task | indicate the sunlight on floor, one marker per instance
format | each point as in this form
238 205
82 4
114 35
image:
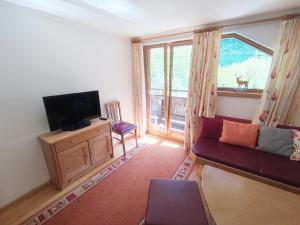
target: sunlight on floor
149 140
169 144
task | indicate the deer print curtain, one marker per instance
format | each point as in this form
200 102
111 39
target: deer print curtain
202 82
138 69
284 76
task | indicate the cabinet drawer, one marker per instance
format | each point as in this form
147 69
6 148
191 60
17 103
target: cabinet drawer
76 139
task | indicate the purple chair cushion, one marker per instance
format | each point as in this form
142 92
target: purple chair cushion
231 155
211 127
174 202
279 168
123 127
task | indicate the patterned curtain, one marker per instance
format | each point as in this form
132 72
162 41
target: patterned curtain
284 76
138 71
202 82
294 110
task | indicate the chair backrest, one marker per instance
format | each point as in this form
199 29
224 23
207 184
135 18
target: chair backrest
113 111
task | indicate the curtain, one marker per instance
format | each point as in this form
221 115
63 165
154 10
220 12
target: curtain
202 82
138 71
293 117
283 78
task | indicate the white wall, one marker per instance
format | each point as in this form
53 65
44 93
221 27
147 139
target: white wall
243 108
42 55
263 33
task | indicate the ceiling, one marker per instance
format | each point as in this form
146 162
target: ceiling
143 17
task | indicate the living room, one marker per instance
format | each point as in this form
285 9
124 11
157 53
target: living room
103 100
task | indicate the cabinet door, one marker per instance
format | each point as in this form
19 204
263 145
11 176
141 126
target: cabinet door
74 161
100 148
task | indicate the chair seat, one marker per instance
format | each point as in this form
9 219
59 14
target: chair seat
123 127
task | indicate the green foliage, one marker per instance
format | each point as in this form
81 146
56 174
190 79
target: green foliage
255 70
157 68
180 72
239 59
181 67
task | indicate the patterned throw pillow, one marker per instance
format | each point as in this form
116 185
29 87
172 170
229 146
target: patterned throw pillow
296 146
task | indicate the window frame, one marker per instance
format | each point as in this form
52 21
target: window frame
166 132
248 93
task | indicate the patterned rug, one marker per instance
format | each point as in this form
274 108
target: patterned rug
59 206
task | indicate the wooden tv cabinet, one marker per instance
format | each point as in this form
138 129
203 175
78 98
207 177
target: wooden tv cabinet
71 154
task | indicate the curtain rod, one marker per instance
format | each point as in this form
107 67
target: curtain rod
193 30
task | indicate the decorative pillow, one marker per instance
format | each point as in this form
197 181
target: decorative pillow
211 127
275 140
243 134
296 145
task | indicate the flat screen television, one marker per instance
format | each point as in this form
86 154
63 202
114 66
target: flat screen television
72 111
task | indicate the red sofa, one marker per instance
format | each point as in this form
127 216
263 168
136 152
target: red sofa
273 167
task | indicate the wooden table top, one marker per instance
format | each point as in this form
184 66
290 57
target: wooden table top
236 200
52 137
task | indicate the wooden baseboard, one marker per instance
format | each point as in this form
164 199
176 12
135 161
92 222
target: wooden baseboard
249 175
26 196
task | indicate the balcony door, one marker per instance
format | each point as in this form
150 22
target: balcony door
167 69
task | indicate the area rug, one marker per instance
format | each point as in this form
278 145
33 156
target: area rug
117 195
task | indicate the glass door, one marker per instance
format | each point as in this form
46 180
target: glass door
156 83
180 64
167 69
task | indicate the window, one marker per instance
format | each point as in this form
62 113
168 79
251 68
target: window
243 65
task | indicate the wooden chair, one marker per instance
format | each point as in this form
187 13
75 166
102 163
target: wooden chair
113 111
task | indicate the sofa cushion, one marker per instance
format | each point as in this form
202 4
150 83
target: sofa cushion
275 140
211 127
231 155
279 168
241 134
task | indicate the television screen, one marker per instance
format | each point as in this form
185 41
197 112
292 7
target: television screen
69 109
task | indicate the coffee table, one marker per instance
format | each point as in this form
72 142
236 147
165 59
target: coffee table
235 200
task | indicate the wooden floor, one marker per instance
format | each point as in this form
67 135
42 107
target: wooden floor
22 209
